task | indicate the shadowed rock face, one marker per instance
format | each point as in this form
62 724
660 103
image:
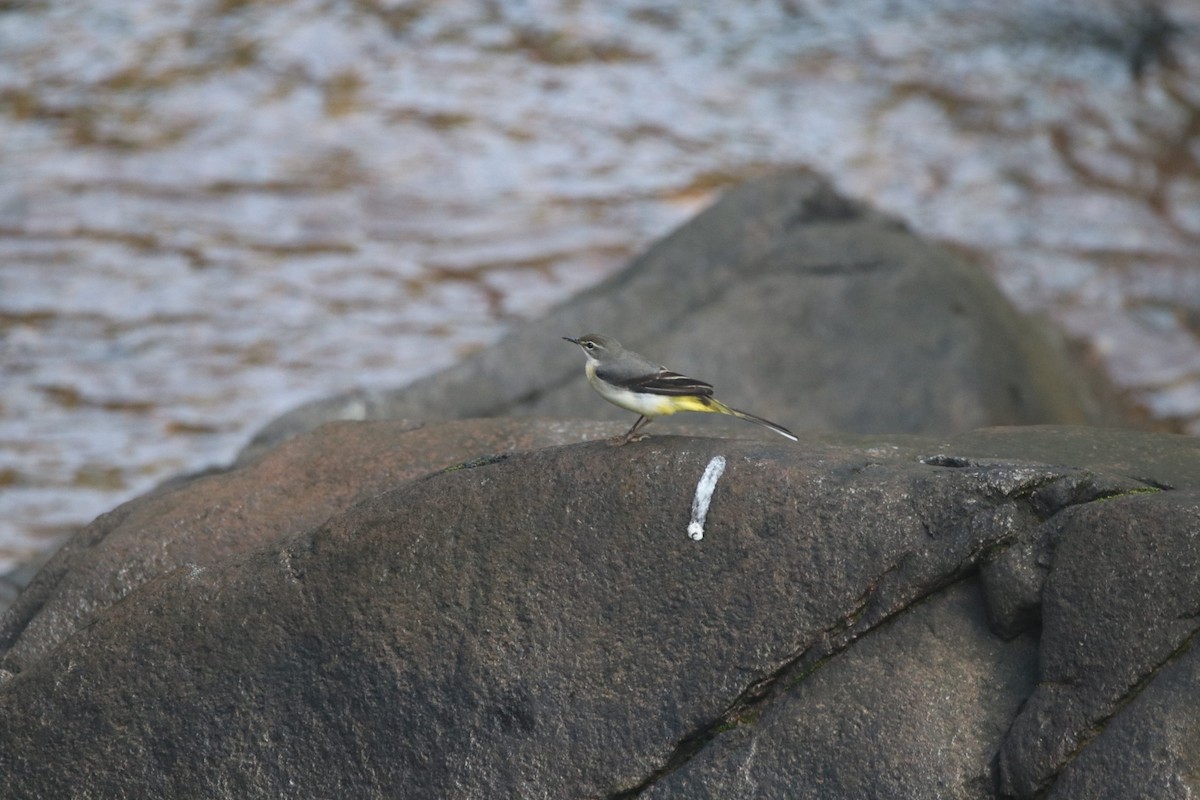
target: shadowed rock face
538 623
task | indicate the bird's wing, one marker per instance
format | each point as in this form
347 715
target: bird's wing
662 382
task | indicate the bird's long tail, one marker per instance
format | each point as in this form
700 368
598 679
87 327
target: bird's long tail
717 405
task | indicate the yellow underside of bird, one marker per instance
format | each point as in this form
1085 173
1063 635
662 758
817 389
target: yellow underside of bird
654 405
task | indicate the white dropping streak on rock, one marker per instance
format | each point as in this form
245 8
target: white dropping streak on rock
704 493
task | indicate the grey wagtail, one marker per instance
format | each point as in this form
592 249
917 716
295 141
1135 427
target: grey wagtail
637 384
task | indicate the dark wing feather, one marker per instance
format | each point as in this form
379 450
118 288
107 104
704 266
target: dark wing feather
663 382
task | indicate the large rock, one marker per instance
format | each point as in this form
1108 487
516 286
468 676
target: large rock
475 609
538 624
290 490
799 305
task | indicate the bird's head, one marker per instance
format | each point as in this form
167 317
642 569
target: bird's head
597 347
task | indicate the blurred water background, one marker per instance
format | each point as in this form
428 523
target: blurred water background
214 210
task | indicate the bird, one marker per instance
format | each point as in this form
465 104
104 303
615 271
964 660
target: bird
635 383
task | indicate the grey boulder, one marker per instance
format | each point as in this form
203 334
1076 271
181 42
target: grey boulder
539 624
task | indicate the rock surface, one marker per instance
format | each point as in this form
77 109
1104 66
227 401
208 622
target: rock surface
915 709
1121 601
798 305
538 624
290 490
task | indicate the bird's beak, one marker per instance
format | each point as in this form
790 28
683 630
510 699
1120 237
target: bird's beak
572 341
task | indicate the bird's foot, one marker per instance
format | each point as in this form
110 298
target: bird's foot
618 441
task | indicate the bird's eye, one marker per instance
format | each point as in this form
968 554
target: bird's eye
590 345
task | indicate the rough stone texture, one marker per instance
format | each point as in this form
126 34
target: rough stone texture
290 490
798 305
538 624
916 709
1150 749
1122 598
1168 462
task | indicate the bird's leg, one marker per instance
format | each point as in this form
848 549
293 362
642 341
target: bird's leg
633 435
637 427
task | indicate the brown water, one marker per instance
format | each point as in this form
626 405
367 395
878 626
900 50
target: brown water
213 211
